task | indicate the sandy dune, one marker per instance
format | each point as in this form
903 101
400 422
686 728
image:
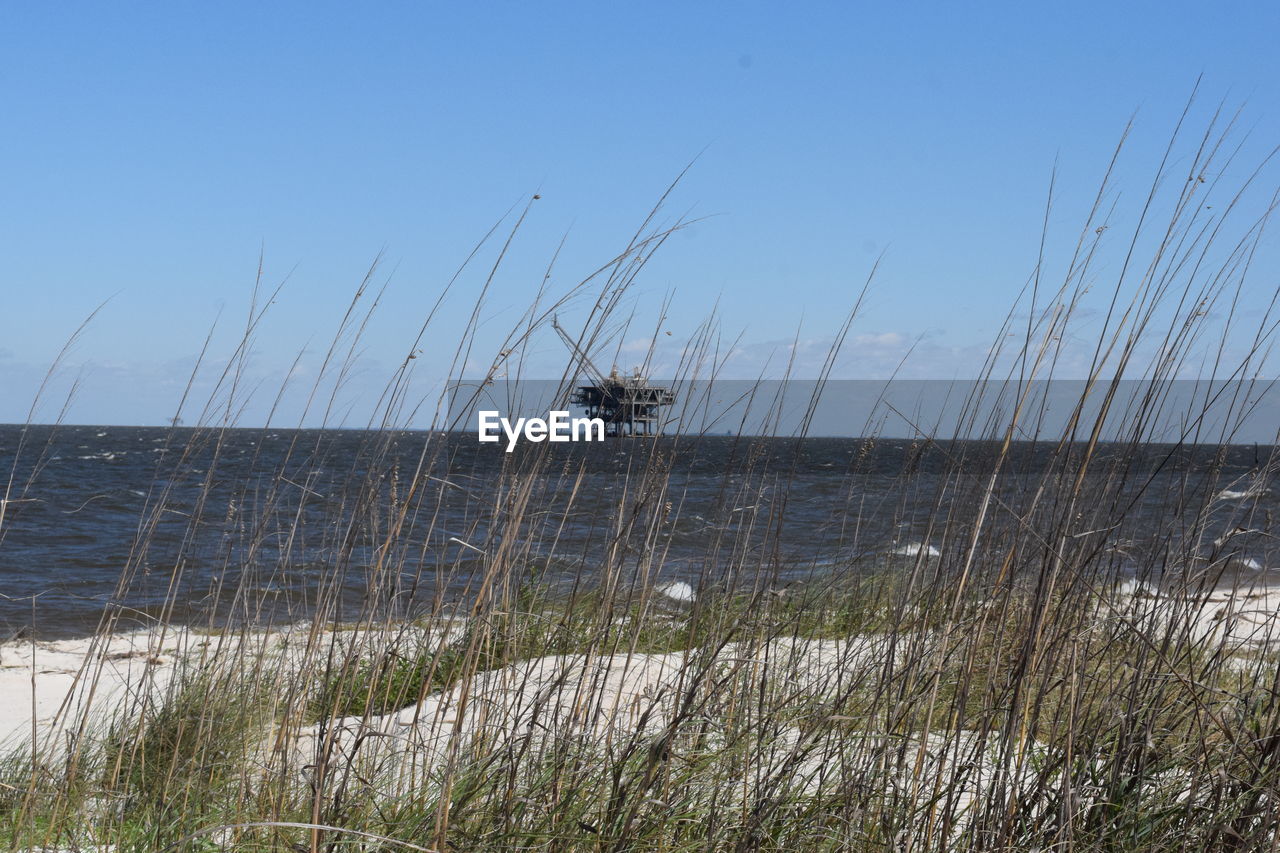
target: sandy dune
605 705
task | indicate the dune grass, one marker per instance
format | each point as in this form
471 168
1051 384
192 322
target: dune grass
1002 694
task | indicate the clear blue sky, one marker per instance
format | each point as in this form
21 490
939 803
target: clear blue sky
151 151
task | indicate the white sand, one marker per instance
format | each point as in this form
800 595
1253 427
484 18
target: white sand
1236 621
50 686
43 683
53 683
605 705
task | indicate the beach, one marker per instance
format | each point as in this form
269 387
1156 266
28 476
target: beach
76 695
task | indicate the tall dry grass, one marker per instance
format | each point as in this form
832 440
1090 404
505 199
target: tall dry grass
999 695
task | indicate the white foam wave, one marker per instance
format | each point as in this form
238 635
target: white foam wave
915 549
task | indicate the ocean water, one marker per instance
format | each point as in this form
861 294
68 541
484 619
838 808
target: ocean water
269 525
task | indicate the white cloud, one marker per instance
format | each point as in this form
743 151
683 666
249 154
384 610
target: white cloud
883 339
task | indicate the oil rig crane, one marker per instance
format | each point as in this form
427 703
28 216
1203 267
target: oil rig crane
628 405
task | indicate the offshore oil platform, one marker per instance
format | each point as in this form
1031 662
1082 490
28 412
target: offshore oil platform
628 405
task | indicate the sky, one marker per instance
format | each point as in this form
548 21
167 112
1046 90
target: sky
158 153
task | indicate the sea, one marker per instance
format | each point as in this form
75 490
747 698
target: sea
218 526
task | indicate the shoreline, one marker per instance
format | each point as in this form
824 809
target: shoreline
53 681
761 716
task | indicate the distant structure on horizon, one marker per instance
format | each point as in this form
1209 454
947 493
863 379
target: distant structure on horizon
628 405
